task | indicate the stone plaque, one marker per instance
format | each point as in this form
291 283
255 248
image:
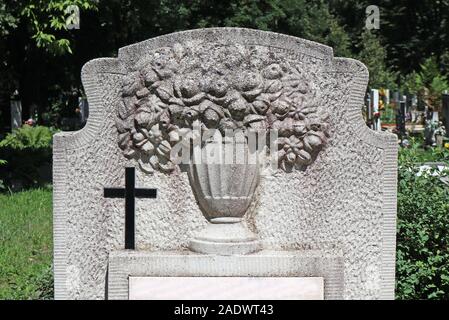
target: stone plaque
226 288
264 275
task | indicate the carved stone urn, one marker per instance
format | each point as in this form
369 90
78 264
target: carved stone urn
218 86
224 193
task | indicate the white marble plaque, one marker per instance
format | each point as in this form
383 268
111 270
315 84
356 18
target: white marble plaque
226 288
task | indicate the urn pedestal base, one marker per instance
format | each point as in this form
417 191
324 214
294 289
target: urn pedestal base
225 236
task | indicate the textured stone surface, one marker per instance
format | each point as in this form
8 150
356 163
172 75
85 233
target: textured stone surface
345 200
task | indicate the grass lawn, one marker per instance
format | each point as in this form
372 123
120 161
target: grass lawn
26 246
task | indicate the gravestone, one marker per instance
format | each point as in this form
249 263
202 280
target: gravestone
314 216
400 120
446 111
396 98
84 110
16 113
375 107
387 97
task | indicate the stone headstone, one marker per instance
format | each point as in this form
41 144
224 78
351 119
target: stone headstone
16 114
400 119
435 116
446 111
387 97
317 205
396 98
84 109
414 102
375 107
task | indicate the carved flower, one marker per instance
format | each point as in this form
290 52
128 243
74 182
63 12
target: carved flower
131 84
217 88
274 87
164 90
144 118
238 109
147 109
301 109
126 144
226 124
316 136
313 141
165 121
164 63
273 71
299 128
281 108
155 147
249 84
142 93
211 114
261 106
292 153
188 90
149 76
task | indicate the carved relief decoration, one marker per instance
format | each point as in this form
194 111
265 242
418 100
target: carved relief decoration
219 86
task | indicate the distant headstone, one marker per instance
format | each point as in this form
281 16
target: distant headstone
400 120
440 134
446 111
435 117
396 98
375 108
306 208
84 109
414 102
16 113
429 133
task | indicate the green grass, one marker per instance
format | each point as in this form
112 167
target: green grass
26 245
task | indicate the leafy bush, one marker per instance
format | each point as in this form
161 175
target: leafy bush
422 266
416 154
28 152
2 185
28 137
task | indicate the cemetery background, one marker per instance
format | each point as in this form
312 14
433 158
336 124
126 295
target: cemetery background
41 75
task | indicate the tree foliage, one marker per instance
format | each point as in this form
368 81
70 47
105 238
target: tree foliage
36 44
428 82
422 267
374 55
43 19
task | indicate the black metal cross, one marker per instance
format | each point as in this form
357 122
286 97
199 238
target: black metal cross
130 192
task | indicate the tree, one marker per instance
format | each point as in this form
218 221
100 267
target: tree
413 30
33 40
44 20
429 83
7 20
374 55
312 20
